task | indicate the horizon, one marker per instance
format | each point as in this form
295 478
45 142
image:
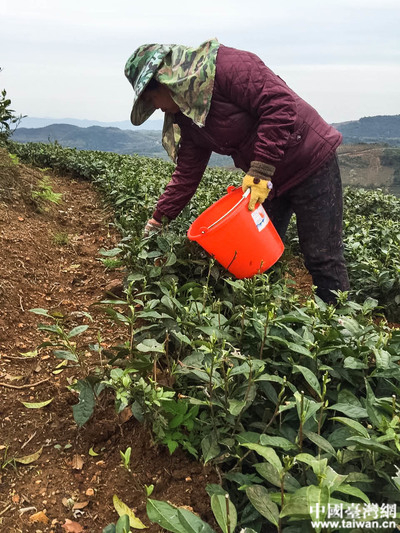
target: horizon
156 123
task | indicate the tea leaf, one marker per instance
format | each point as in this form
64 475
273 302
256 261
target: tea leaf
319 466
299 349
354 364
321 442
33 353
149 490
28 459
39 311
216 332
374 414
371 444
110 253
92 452
268 453
310 377
296 504
269 472
150 345
175 519
350 410
37 405
353 491
383 359
83 410
52 328
77 331
66 355
224 512
209 447
261 500
236 406
122 509
277 442
317 499
123 525
332 479
353 424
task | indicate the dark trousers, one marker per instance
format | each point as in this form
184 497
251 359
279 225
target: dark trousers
318 205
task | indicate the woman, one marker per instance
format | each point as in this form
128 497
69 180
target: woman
225 100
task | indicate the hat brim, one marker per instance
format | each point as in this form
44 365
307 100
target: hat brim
141 111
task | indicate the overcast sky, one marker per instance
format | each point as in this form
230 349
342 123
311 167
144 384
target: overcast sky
65 58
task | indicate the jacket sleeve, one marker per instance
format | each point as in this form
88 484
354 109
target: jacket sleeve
251 85
191 164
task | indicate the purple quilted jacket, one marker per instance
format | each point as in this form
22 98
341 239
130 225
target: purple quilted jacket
254 115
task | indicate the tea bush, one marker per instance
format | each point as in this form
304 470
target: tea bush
295 401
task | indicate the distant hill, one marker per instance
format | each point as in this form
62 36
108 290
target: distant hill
378 129
106 139
42 122
381 130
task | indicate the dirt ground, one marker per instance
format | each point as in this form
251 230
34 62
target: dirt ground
50 259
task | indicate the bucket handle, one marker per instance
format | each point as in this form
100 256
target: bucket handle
244 195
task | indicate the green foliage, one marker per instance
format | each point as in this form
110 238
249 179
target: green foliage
295 400
126 458
44 193
177 520
372 247
122 526
7 117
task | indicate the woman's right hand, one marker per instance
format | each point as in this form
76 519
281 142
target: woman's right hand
152 226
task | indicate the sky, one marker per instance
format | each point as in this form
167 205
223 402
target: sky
65 58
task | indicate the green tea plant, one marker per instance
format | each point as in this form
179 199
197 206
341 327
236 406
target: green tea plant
372 242
62 338
122 526
294 401
126 458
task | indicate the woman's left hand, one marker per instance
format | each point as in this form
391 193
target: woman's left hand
152 226
259 189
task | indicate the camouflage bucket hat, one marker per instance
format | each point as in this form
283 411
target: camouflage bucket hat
139 69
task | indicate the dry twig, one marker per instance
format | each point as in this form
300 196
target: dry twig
27 386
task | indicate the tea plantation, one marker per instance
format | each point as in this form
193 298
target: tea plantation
294 401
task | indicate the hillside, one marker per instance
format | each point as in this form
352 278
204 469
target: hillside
378 129
370 166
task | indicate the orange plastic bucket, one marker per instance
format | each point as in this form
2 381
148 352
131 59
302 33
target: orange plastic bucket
244 242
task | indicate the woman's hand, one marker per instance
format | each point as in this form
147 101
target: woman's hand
152 226
259 189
